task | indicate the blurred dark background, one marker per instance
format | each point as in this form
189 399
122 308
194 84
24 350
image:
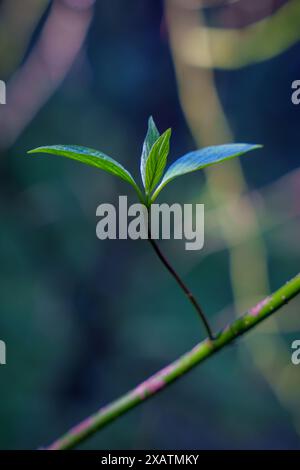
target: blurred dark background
85 320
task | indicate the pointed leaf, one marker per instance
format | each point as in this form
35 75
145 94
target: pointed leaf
90 157
201 158
150 139
157 160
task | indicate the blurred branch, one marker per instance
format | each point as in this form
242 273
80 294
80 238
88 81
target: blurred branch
177 369
229 48
275 204
227 185
16 30
58 46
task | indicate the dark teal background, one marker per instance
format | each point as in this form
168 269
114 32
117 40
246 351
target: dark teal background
85 320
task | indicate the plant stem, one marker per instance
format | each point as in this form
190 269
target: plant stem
185 289
188 361
177 278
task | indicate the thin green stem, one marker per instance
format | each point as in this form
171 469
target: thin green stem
141 196
177 369
182 285
178 279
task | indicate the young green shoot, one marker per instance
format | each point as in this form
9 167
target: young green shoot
153 162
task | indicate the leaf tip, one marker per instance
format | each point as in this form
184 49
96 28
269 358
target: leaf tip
254 147
152 126
32 151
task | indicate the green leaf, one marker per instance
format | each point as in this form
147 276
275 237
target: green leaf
90 157
150 139
201 158
157 160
